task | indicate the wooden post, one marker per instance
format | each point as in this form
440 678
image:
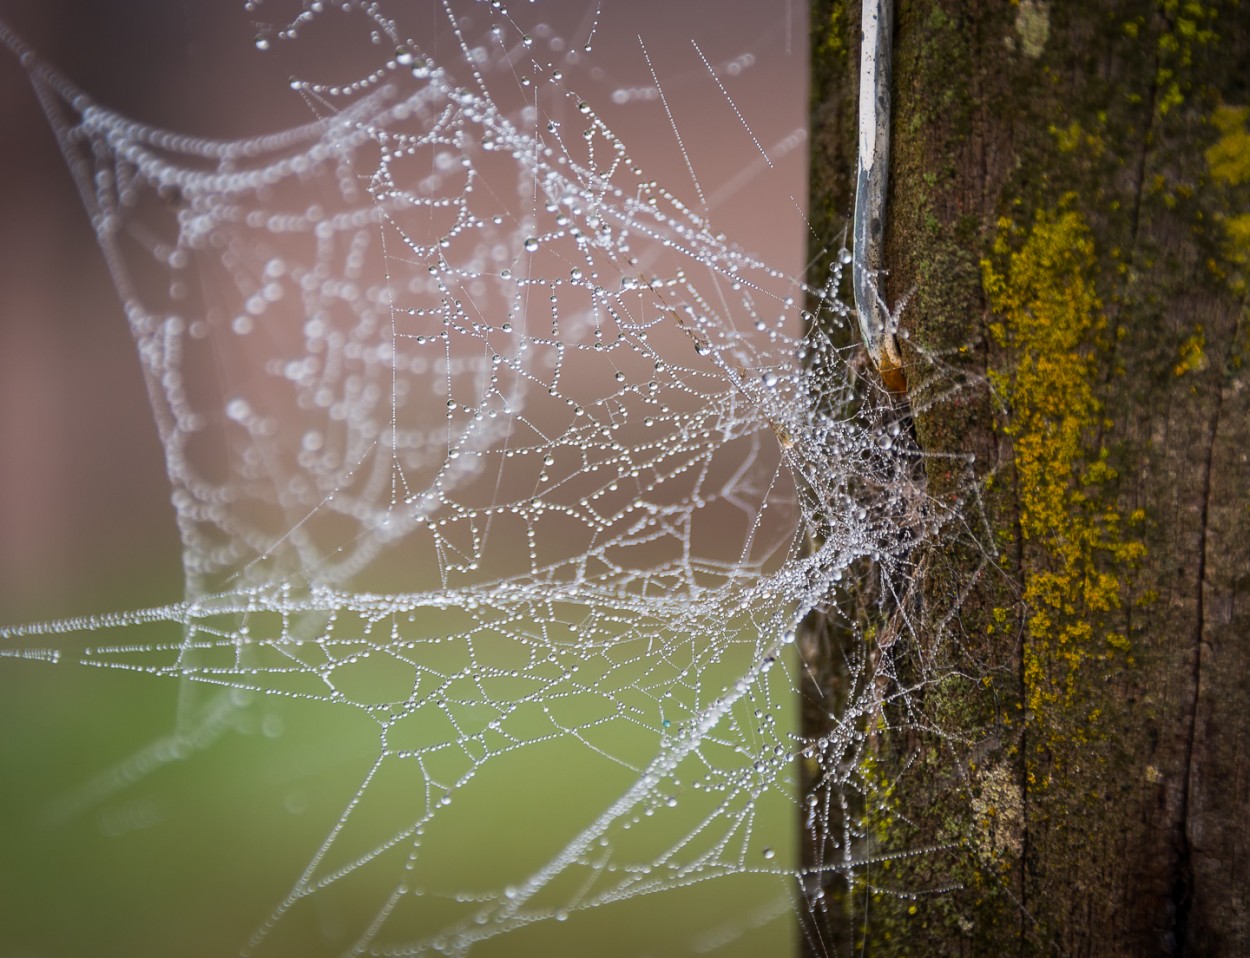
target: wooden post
1070 201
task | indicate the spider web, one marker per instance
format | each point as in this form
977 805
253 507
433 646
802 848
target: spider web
476 430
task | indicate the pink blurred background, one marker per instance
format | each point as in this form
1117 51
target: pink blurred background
85 522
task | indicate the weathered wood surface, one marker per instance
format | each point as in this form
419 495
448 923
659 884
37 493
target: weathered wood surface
1070 202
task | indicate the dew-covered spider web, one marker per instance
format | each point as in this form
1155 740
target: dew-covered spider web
478 432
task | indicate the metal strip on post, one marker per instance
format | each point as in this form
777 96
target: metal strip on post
876 325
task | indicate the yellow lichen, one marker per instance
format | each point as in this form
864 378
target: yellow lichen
1050 320
1228 159
1073 137
1228 164
832 44
1192 356
1187 29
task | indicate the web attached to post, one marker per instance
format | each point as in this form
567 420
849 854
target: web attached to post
475 429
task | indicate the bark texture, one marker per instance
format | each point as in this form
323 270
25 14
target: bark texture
1070 207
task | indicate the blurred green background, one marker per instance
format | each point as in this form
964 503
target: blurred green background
120 839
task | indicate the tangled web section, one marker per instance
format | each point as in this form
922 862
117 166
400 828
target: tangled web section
475 429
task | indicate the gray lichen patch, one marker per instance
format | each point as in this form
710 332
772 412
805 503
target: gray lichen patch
1033 27
999 808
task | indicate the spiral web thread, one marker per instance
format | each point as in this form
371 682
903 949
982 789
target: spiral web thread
476 430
